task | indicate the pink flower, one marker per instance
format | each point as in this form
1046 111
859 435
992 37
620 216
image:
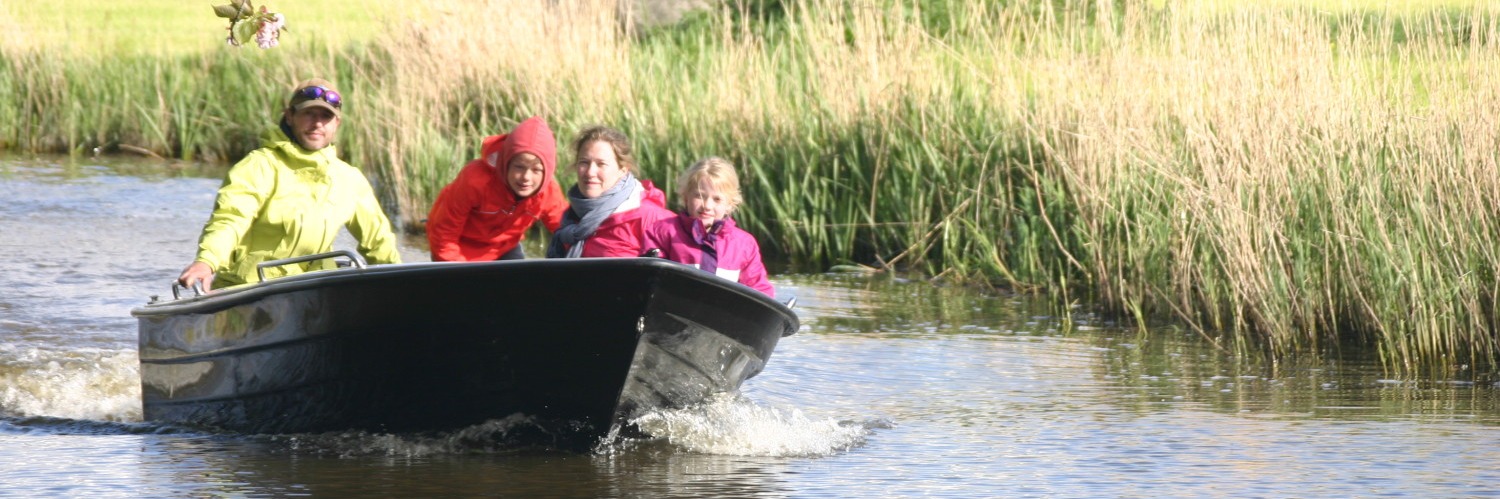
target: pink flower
270 30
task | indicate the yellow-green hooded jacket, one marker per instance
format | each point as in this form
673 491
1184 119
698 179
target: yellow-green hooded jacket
283 201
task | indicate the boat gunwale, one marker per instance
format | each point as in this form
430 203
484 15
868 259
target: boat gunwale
223 299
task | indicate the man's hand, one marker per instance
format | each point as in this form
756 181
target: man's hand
197 272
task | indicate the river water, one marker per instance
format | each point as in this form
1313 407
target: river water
891 389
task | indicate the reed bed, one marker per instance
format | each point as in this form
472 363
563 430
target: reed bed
1278 178
1271 175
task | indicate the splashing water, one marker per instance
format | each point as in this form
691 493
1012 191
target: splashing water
731 425
511 433
103 385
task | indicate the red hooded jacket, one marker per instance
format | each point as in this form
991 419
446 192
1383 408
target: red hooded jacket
478 217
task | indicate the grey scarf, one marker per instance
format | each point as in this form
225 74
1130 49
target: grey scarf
585 215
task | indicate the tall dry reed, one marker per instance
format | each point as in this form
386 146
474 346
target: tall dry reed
1264 173
1284 178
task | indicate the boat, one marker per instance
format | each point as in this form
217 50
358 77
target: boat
586 344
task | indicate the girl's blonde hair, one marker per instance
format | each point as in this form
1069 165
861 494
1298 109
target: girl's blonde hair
719 172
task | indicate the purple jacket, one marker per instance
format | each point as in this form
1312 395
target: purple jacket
734 254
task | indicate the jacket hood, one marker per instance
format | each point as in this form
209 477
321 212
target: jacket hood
532 136
693 225
277 140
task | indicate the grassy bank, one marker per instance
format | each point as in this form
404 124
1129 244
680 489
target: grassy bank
91 29
1283 177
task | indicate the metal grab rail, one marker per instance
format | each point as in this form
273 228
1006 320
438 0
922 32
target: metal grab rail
177 288
354 258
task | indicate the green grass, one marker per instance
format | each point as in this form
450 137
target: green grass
112 28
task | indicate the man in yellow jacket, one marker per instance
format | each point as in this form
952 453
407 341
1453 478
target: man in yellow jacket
289 198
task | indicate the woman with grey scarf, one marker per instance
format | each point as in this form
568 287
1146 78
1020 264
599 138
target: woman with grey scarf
610 209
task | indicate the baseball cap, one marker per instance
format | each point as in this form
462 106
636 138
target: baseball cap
316 92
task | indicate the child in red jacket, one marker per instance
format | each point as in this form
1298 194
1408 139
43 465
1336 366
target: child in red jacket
703 235
483 215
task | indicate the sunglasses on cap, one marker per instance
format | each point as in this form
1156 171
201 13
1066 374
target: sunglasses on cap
326 95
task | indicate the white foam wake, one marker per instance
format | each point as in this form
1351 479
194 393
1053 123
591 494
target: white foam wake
93 384
731 425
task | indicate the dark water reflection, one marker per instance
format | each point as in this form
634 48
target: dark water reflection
892 389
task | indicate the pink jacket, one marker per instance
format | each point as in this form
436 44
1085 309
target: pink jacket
681 239
623 233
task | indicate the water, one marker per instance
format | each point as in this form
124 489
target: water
892 389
